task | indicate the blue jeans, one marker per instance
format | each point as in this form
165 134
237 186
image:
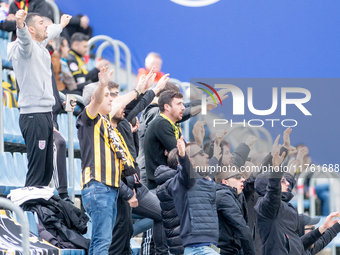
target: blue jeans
100 202
202 250
322 191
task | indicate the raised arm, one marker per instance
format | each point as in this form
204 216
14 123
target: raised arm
121 101
149 95
184 175
312 237
24 40
270 204
98 95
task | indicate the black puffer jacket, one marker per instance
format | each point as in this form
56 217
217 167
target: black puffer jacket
277 219
232 215
164 177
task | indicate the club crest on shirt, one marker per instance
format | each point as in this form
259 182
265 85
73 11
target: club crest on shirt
74 67
42 144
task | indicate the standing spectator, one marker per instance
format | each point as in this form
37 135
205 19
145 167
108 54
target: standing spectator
104 159
77 66
195 204
162 134
59 146
32 66
232 213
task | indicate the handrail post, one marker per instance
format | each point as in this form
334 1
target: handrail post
23 220
115 47
56 12
2 144
71 153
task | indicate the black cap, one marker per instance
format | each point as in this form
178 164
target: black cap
310 221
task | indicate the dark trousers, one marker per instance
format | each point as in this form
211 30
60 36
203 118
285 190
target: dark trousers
59 172
37 130
149 207
123 229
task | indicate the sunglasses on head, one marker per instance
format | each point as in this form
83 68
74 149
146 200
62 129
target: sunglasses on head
236 176
311 228
201 152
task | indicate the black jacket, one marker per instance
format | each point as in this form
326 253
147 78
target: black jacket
323 241
196 206
79 72
232 215
164 179
61 219
132 110
37 6
159 137
277 219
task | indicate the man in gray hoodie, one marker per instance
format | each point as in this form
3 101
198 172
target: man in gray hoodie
32 66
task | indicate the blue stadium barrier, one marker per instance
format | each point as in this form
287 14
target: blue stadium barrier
20 166
8 136
3 51
31 221
24 156
5 182
77 176
63 126
76 145
4 75
12 126
15 115
63 129
12 174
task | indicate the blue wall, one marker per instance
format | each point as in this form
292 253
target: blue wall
240 39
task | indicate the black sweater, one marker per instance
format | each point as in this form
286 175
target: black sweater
159 137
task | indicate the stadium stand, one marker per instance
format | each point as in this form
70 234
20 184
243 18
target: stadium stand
13 161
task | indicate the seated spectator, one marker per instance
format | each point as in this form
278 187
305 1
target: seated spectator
79 23
64 77
153 59
231 205
77 66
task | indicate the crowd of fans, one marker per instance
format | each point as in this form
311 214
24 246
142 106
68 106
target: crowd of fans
202 198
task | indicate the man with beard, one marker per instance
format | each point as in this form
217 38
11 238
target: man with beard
32 67
163 133
104 158
132 192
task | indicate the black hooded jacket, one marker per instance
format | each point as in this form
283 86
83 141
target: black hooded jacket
232 214
277 219
164 178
